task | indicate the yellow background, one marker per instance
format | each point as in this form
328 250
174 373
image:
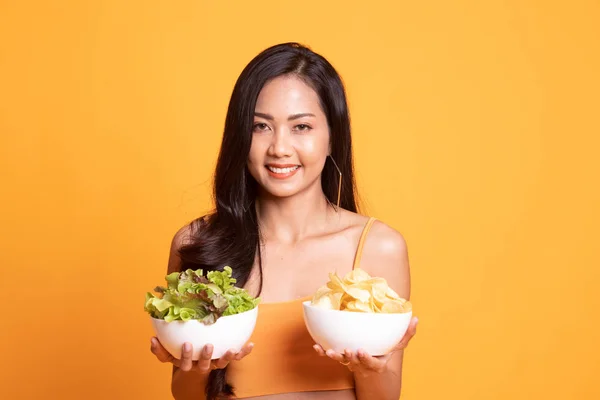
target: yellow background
476 135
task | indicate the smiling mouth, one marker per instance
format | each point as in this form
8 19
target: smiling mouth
284 170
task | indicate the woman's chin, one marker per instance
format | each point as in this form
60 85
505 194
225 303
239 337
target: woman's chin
279 188
278 194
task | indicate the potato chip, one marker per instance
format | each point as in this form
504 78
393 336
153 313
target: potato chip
327 298
357 305
359 292
322 292
378 287
392 307
356 275
390 293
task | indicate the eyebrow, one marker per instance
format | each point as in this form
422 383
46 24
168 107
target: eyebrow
290 118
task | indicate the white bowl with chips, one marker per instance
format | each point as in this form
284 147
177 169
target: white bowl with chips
229 332
375 333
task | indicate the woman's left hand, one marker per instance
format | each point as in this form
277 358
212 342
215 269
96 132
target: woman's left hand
360 361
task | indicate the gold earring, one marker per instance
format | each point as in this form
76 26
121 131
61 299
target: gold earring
339 184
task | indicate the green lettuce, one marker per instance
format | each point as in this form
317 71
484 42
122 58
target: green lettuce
191 295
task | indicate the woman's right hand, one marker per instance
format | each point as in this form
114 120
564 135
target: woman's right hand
204 364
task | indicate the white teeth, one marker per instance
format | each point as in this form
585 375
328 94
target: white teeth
282 170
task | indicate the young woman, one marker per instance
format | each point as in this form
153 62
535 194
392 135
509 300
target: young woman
286 216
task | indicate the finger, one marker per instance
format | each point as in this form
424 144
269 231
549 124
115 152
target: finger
352 357
410 332
349 355
247 349
159 351
370 362
205 358
225 359
186 357
319 350
335 356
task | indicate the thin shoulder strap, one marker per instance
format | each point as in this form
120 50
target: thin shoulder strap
361 242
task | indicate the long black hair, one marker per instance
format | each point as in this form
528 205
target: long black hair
230 234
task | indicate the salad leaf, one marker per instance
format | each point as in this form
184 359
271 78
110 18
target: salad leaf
192 295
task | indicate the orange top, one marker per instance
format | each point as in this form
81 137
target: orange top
283 360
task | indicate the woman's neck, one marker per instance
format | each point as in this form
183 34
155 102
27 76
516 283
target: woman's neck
293 218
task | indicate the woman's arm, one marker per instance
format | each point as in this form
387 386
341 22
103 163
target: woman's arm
371 385
188 384
385 255
190 378
184 384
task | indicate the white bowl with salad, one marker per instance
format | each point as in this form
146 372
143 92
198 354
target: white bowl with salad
202 309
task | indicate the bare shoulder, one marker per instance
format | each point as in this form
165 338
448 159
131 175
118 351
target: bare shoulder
385 255
382 238
387 241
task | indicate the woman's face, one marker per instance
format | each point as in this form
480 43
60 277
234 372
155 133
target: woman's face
290 138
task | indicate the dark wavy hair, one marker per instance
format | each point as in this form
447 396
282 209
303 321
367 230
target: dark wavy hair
230 234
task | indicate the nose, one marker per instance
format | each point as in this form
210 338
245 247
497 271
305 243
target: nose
281 145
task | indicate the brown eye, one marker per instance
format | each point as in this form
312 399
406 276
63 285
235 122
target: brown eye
260 127
303 128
